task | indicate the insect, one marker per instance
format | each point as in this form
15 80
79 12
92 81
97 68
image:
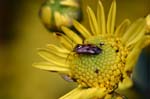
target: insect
67 78
87 49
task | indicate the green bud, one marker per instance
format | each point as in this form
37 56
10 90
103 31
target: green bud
57 13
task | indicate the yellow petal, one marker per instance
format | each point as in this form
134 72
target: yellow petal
57 49
70 3
51 67
133 55
126 83
133 31
57 18
148 23
85 93
147 40
71 93
83 31
111 18
46 15
93 22
53 57
60 52
72 35
101 18
65 41
139 34
57 53
122 28
65 20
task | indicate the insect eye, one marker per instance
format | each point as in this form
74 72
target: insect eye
79 46
101 43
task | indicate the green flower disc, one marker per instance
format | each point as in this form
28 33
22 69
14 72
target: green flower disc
102 70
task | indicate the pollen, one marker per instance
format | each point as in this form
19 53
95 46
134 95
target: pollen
102 70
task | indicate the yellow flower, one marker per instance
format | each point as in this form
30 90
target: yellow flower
100 59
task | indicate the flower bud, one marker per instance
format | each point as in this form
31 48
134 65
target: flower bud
57 13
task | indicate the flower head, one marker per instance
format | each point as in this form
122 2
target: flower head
57 13
100 59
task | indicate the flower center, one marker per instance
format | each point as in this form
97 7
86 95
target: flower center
100 70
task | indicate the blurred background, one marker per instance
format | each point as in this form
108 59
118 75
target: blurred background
21 33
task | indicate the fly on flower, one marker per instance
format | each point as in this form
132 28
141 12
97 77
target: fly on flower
116 52
87 49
